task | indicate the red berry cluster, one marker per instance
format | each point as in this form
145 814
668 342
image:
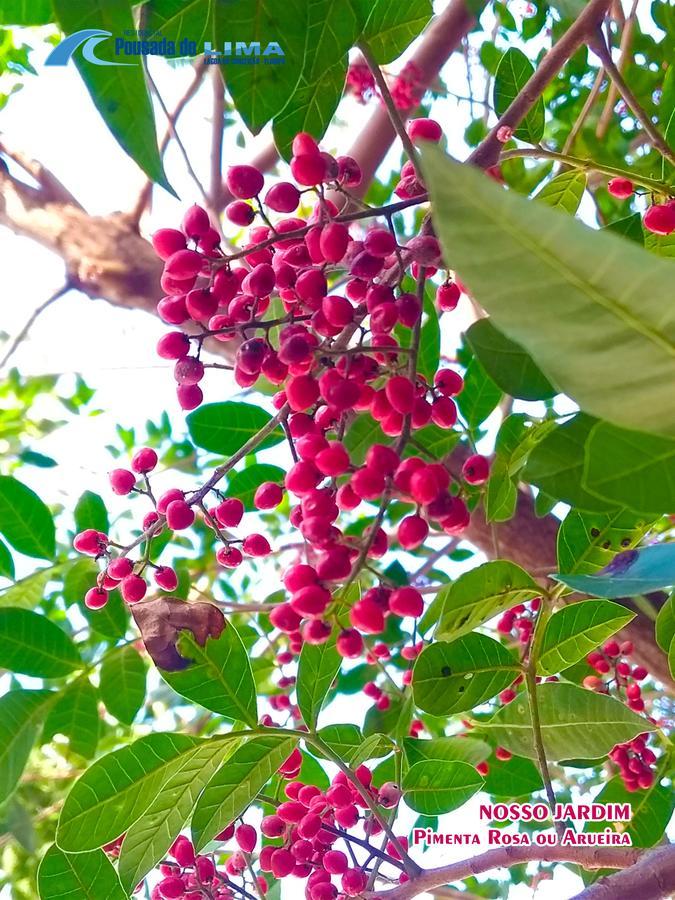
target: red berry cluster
299 839
521 619
622 679
360 82
333 355
659 218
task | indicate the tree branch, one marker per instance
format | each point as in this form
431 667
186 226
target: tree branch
655 137
624 53
26 328
651 878
487 152
504 857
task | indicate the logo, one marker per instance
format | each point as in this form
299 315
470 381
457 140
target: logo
88 39
142 42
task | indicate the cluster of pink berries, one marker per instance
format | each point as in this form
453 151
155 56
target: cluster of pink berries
659 218
299 839
177 512
521 619
635 759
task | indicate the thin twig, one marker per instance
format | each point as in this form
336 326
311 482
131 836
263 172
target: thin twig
655 137
624 53
146 191
387 99
217 127
21 336
585 111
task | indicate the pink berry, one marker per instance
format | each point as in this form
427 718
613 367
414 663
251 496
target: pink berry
304 143
349 643
95 598
144 460
425 130
308 169
183 264
166 578
196 222
174 345
122 481
406 601
239 212
189 396
268 496
246 837
334 241
354 882
230 557
400 392
660 219
256 545
171 888
133 588
168 241
380 242
244 182
476 470
179 515
621 188
412 532
229 513
119 568
447 296
90 542
283 197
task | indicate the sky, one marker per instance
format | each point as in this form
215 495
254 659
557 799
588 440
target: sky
54 120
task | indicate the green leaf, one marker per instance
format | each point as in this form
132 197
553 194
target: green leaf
629 227
26 12
513 73
122 683
575 723
453 749
32 645
6 562
331 30
480 594
119 92
661 244
220 678
556 465
651 810
630 468
436 442
480 395
147 841
78 876
318 666
515 777
344 739
451 677
575 630
391 27
237 784
569 295
21 716
665 624
75 715
91 512
564 191
631 572
588 541
509 366
25 521
259 91
361 434
27 593
224 428
112 621
117 789
244 484
434 787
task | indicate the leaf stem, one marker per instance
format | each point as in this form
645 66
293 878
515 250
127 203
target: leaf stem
588 165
